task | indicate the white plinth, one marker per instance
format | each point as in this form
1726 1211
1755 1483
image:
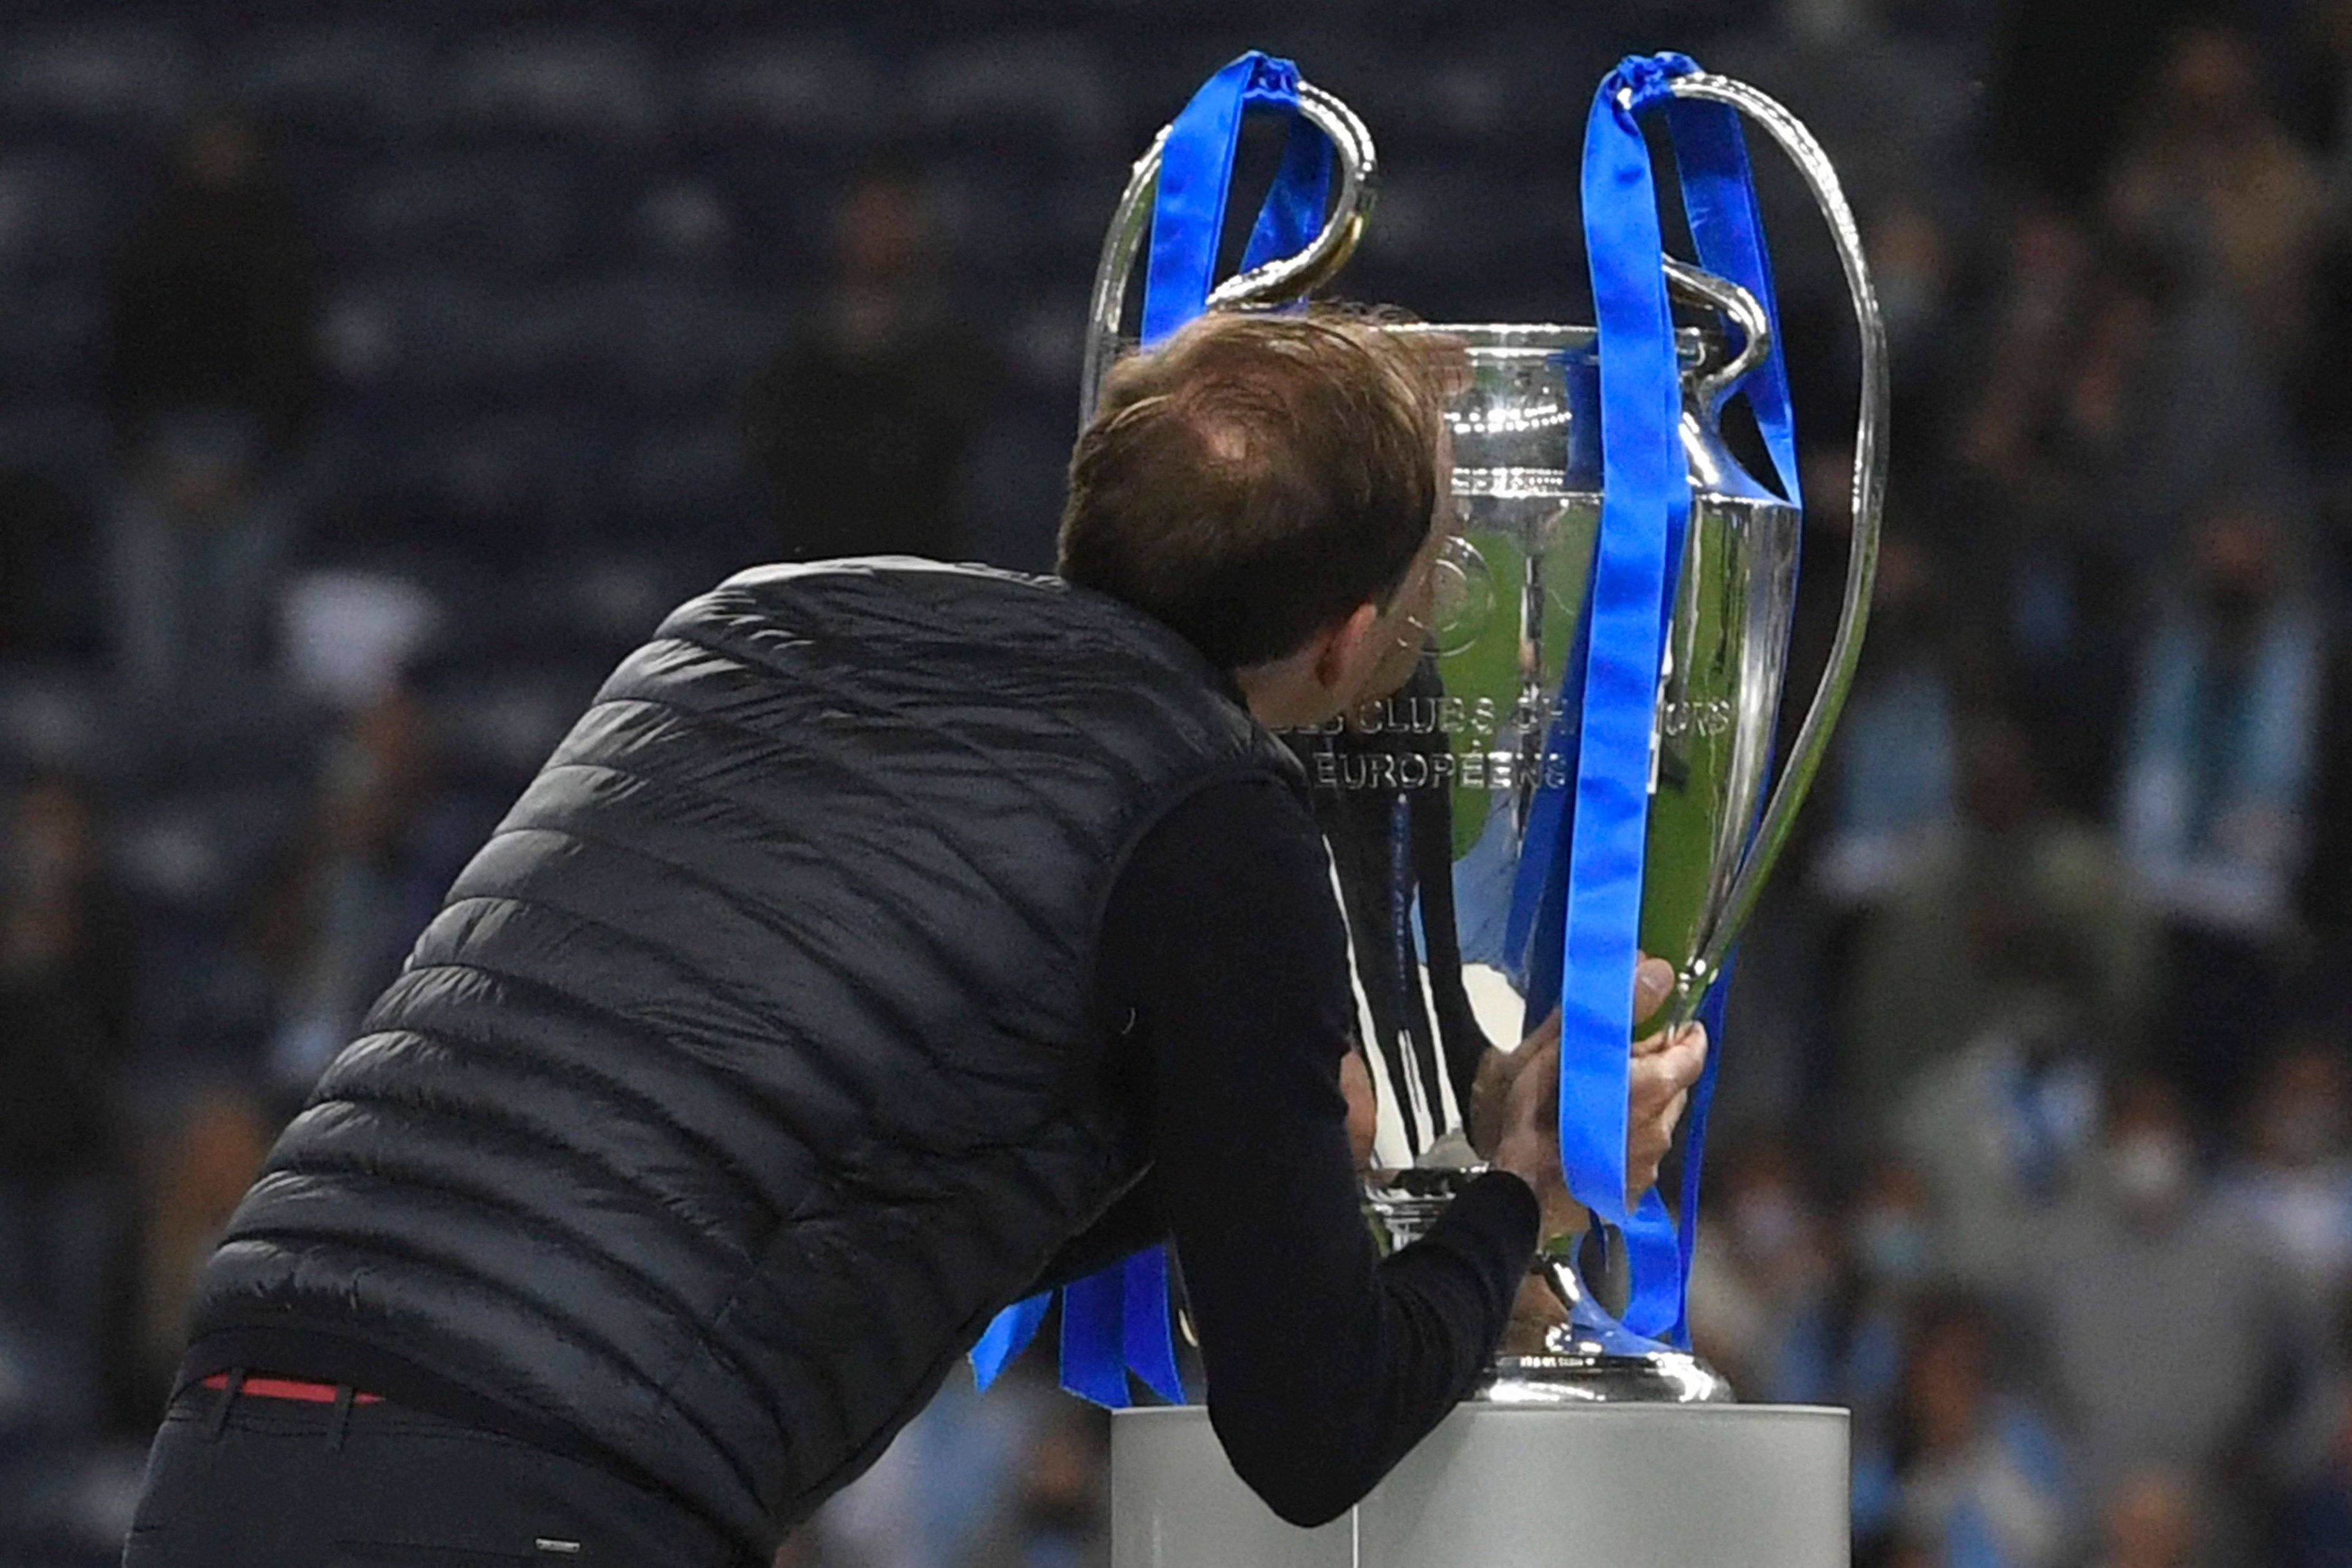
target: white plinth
1611 1486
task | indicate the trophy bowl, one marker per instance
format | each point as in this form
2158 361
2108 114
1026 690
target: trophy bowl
1479 732
1514 580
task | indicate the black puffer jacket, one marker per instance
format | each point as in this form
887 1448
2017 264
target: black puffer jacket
751 1066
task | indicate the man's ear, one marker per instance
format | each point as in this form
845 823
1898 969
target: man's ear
1344 647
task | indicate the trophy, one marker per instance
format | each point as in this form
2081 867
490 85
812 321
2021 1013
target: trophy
1459 810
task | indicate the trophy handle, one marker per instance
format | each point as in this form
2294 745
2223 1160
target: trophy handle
1746 311
1275 282
1804 758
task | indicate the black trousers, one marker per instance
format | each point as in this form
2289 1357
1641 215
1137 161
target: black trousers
256 1482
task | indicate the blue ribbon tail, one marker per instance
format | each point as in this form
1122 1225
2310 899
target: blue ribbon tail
1094 1360
1702 1101
1149 1344
1113 1320
1006 1336
1188 215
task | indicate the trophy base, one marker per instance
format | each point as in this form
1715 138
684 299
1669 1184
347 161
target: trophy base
1586 1358
1597 1377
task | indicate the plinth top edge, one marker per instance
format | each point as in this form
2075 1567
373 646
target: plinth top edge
1481 1412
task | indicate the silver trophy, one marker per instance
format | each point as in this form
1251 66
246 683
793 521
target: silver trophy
1425 796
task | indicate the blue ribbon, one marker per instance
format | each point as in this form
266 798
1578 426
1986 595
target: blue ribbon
1719 194
1728 228
1116 1322
1196 173
1577 908
1006 1336
1702 1101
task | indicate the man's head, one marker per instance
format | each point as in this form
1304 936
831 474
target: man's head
1267 486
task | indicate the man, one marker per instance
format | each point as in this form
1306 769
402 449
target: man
887 941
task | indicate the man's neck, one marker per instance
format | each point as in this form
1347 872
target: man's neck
1284 693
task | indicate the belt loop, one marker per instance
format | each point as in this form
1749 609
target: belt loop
229 1391
342 1420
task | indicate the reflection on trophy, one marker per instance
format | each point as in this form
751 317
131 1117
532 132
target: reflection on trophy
1429 796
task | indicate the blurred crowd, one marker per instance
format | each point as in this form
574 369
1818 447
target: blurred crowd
371 378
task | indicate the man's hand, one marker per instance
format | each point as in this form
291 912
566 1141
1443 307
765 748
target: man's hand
1527 1142
1364 1108
1515 1101
1665 1069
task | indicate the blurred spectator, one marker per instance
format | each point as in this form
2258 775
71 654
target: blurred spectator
1017 1478
2052 583
65 924
198 537
862 424
339 925
1763 1268
2019 897
64 981
2217 792
213 297
2151 1521
1982 1479
2314 1527
1999 1130
49 570
2294 1183
194 1186
2117 397
2048 270
2171 1336
1930 356
209 376
2066 74
1060 1518
1895 785
1847 1347
2212 179
1844 1349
